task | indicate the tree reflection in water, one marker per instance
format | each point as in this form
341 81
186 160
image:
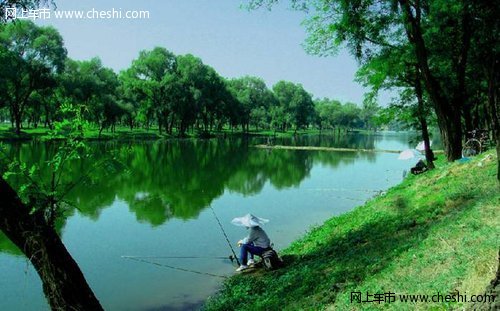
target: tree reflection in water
179 178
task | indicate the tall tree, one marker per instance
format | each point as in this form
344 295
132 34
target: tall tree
326 111
398 70
294 101
33 55
148 78
206 87
485 55
251 93
94 88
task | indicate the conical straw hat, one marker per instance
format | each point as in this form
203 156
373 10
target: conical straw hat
249 220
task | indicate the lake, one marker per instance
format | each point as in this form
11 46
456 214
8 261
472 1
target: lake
158 205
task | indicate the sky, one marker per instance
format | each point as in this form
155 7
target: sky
234 41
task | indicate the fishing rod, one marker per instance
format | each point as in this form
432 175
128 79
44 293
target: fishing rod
225 235
173 267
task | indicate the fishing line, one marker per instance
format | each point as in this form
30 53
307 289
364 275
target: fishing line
173 267
343 189
225 235
182 257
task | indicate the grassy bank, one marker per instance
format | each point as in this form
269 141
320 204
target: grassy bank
436 232
7 133
125 133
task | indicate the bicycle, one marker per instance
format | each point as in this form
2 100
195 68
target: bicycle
478 142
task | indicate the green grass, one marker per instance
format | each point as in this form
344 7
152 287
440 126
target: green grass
435 232
7 133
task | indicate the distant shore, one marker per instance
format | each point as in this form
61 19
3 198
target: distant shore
125 133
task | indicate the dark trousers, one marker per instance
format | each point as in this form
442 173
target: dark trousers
249 248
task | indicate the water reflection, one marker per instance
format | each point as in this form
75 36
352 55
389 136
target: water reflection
179 178
330 139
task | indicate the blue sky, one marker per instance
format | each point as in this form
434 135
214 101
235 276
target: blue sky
234 41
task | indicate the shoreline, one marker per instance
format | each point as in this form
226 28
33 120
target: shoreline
313 148
123 134
417 238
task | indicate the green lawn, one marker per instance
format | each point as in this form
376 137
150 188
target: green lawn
7 133
435 232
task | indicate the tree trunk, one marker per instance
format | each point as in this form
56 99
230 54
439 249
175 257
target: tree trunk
47 117
17 122
448 113
429 155
131 123
101 128
467 114
493 106
159 124
63 283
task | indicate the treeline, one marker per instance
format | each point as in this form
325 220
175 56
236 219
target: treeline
172 93
441 57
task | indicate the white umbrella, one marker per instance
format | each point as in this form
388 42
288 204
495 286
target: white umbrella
409 154
421 146
249 220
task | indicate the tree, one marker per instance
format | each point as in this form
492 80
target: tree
302 108
207 90
349 116
94 88
397 69
28 219
63 283
148 79
438 33
34 54
369 112
327 111
183 106
259 118
251 93
294 101
285 93
485 57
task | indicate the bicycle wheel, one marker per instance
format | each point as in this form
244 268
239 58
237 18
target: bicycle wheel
471 148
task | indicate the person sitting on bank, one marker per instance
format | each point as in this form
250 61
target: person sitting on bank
419 168
257 241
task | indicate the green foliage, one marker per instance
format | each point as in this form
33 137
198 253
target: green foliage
206 94
31 57
44 187
94 88
446 50
250 95
173 93
296 103
148 81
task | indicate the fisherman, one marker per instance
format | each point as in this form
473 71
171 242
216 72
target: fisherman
257 241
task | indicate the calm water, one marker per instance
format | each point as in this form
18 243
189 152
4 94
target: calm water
158 207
